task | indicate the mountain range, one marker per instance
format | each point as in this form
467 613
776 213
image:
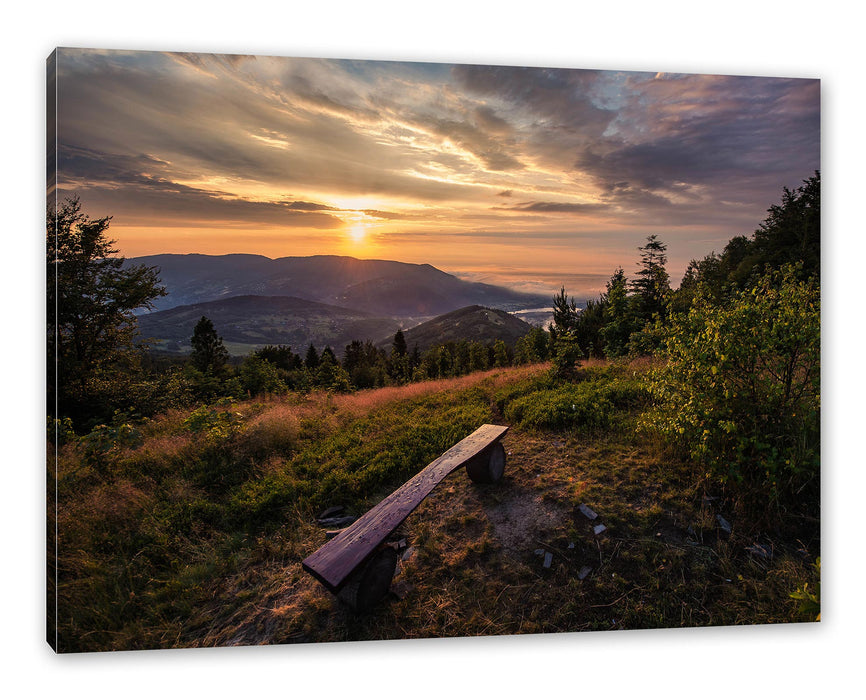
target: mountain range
324 300
379 287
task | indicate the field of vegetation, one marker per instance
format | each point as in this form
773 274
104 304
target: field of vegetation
189 529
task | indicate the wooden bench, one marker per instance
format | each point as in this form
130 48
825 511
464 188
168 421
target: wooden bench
354 565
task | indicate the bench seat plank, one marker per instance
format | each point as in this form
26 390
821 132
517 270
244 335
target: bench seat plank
334 561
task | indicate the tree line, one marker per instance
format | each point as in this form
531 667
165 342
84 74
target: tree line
99 370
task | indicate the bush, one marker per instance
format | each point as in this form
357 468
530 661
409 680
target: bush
740 390
588 404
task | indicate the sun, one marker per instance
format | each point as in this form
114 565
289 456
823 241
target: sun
357 233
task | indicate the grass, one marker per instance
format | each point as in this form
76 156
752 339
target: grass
189 530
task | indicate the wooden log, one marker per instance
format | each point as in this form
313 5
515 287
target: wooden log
371 582
334 561
489 466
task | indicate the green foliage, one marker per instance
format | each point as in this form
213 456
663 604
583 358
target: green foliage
564 312
533 347
91 296
588 327
102 445
258 376
740 390
809 598
330 376
791 233
218 422
500 354
594 403
617 317
60 431
209 355
566 355
651 285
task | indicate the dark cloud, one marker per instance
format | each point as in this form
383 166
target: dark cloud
387 215
555 207
308 206
130 185
732 134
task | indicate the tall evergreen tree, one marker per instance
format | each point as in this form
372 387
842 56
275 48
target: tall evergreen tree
564 312
312 359
399 347
651 285
618 318
209 355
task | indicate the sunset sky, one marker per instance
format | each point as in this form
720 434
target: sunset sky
526 176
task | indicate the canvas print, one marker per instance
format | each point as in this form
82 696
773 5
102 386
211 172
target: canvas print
344 350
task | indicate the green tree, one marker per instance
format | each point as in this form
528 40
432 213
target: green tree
259 376
741 388
618 318
91 296
400 370
651 285
399 347
330 375
500 353
209 355
792 230
566 349
564 312
312 359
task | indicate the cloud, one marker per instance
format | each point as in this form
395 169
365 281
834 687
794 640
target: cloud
126 185
556 207
730 134
291 142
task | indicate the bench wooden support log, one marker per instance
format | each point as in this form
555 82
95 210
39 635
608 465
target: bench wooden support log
354 565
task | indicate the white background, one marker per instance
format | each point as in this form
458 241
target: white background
793 38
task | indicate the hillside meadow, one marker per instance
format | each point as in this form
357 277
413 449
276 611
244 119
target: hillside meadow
188 529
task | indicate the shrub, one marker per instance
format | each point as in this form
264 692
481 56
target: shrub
589 404
740 390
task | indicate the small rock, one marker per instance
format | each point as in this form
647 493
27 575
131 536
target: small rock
331 512
587 511
409 553
336 522
598 529
584 572
762 550
724 524
401 589
548 560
